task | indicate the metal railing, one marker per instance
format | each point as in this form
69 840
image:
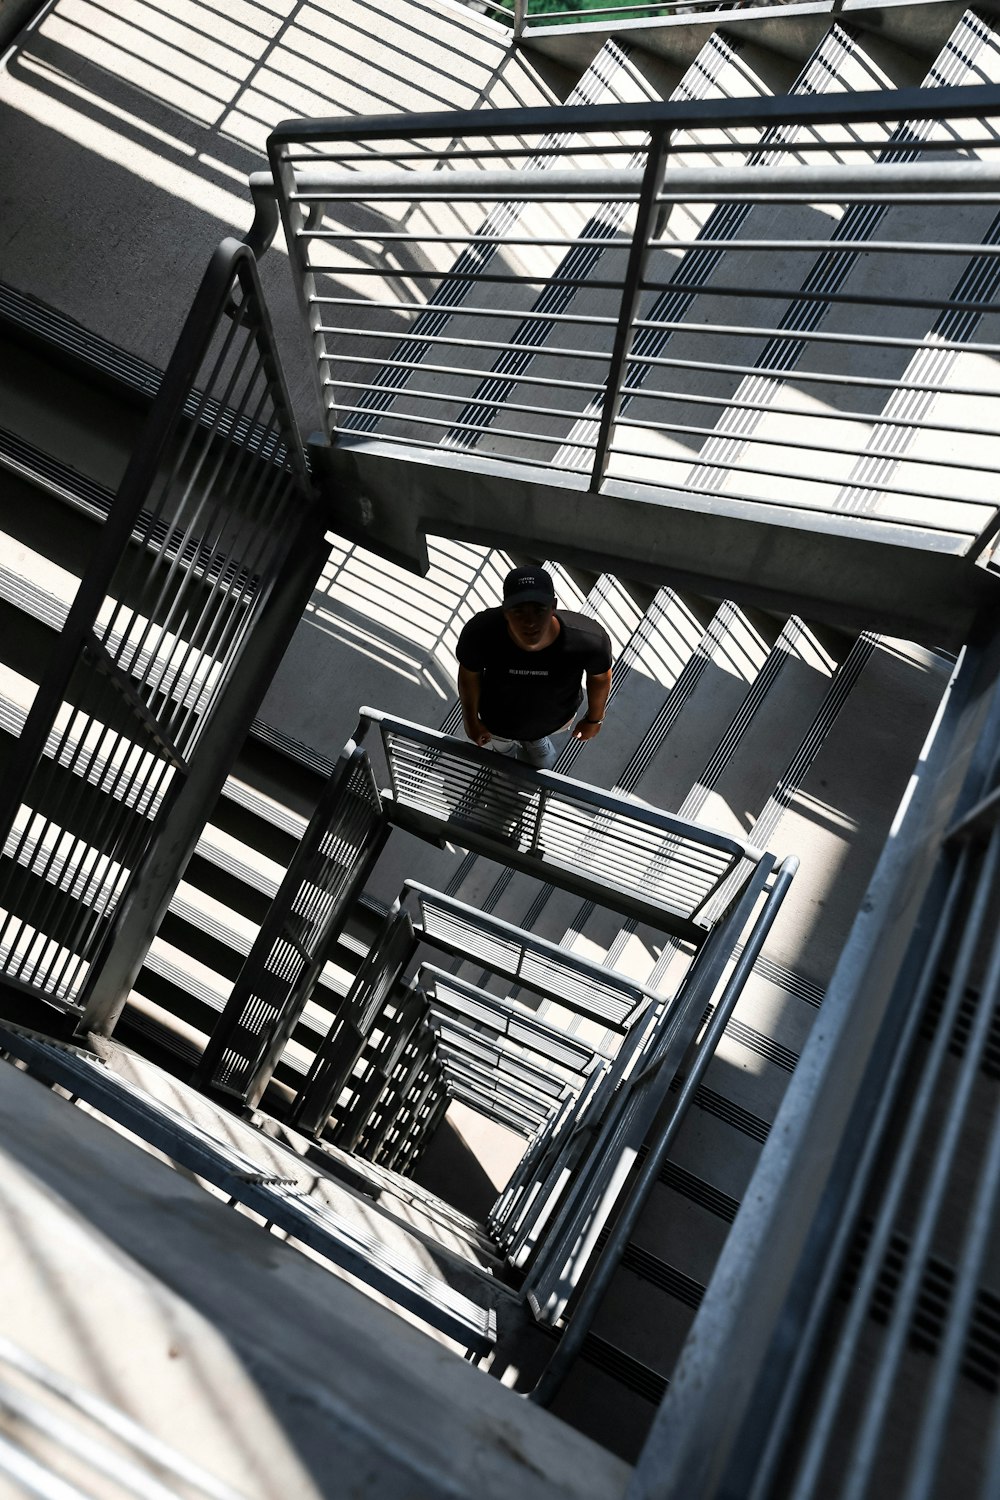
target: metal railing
623 853
506 1020
371 989
584 988
855 1298
521 1218
601 296
626 1116
331 863
497 1056
187 567
562 1279
369 1094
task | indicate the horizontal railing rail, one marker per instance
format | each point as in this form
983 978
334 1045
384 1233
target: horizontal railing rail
621 852
596 296
506 1019
583 987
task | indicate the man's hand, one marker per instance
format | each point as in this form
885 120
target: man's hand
469 684
586 730
476 731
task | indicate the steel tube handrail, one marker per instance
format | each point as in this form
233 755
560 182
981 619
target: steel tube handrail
318 184
661 361
515 167
854 108
583 1313
631 1114
532 954
907 182
690 429
688 398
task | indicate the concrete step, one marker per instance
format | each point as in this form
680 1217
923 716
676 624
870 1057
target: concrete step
747 442
656 1292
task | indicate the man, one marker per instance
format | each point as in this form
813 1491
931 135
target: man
521 670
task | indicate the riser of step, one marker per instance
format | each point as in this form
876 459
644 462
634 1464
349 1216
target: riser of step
62 412
966 59
718 72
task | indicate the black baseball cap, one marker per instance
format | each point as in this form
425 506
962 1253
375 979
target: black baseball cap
528 586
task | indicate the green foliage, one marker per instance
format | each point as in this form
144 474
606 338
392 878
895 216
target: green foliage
559 10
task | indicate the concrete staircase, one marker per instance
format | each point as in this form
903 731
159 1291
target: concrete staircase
754 722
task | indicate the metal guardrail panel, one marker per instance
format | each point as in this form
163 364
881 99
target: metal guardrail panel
372 986
337 850
503 1018
188 559
555 258
582 986
625 853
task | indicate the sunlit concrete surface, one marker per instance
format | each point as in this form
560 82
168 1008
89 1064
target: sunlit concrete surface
130 131
243 1355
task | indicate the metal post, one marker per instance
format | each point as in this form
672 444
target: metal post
631 290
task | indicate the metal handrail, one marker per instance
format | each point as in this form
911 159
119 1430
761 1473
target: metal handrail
587 988
524 1220
334 856
627 854
601 292
569 1246
506 1019
154 653
340 1051
638 1190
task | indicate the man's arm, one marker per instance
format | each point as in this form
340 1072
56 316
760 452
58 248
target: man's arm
598 689
469 683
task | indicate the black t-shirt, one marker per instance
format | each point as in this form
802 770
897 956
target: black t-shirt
528 694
